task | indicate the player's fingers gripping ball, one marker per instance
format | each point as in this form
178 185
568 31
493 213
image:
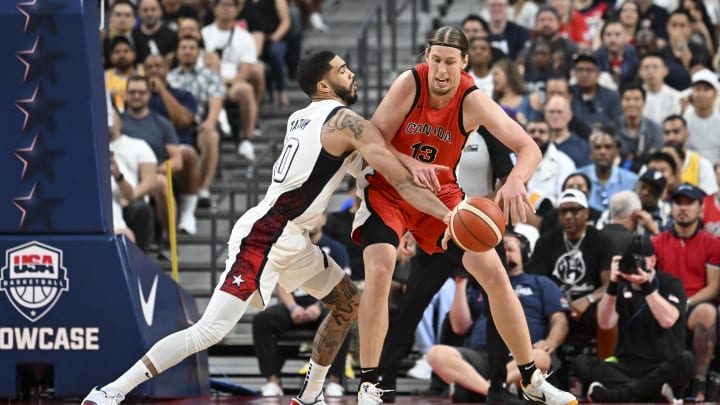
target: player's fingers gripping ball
477 224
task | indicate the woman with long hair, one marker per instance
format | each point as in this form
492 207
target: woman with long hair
703 31
509 89
629 16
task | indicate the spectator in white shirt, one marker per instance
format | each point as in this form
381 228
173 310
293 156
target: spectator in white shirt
238 57
703 120
661 100
546 182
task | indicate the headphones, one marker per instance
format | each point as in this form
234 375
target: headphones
525 252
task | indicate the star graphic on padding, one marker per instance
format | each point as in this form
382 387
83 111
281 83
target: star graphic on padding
40 14
37 159
38 110
237 280
39 62
36 208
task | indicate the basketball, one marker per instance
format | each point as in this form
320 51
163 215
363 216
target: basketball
477 224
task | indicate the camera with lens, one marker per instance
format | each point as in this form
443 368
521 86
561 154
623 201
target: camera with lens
629 263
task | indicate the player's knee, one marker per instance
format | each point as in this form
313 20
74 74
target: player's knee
208 332
344 300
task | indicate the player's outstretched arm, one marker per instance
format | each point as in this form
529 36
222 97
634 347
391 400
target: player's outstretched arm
481 110
361 135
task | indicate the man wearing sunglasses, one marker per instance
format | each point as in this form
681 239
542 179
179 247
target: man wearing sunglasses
577 257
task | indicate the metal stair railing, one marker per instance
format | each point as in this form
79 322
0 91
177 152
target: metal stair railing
374 21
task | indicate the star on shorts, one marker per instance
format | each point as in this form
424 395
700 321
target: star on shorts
237 280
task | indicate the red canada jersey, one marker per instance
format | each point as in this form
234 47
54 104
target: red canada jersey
433 135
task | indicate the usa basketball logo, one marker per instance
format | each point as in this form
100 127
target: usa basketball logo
33 278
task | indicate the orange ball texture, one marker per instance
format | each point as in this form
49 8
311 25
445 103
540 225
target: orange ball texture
477 224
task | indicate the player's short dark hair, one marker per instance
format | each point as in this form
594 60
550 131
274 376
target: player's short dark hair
313 68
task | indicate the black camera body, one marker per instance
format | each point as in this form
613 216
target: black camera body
629 263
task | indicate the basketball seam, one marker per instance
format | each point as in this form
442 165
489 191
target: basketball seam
486 218
470 233
452 229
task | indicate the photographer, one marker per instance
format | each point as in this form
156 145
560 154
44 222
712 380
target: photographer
650 361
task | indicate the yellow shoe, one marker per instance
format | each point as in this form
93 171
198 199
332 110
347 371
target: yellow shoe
349 370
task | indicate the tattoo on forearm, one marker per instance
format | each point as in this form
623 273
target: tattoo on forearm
346 120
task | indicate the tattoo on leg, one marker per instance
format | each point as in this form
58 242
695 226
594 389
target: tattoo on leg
343 303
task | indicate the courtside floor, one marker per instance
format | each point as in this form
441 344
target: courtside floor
240 400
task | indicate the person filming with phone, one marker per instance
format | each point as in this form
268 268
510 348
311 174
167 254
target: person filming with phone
650 362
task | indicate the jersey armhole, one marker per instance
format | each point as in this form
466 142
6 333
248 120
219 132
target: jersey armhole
323 151
460 113
333 112
416 76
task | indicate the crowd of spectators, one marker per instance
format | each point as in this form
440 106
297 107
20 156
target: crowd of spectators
622 99
202 70
620 96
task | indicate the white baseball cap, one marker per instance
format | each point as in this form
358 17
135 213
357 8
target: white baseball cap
574 196
706 76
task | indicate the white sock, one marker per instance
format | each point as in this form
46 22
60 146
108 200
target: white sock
188 202
136 375
314 381
221 314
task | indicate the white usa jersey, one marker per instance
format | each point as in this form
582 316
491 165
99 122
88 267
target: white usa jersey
305 175
270 243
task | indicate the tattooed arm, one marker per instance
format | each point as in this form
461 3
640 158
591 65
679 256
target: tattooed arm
347 131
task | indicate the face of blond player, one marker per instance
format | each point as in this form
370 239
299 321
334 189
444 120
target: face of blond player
445 64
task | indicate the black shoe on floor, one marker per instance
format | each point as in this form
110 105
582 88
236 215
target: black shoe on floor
501 396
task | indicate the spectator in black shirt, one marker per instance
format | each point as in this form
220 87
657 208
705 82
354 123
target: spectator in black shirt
650 362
